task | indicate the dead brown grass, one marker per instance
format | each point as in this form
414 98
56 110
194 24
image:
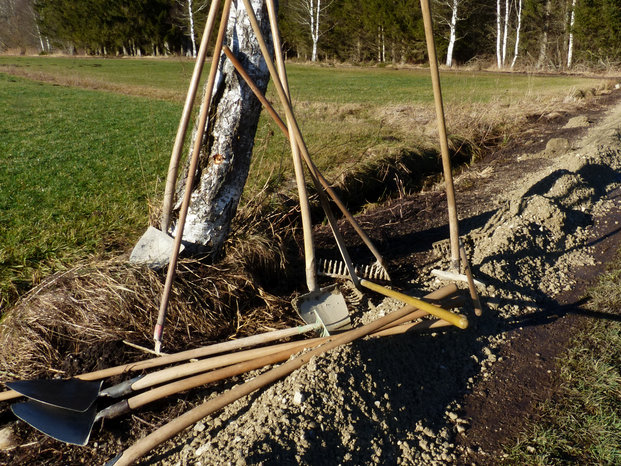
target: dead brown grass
98 303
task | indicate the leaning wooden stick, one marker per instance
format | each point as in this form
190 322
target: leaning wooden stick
446 159
202 123
185 118
307 160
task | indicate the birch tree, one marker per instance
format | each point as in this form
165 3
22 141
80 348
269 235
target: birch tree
228 139
498 34
448 14
570 43
506 33
311 13
518 28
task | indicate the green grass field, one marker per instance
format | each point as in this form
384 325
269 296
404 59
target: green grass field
85 142
77 170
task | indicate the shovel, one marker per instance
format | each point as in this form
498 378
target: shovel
79 395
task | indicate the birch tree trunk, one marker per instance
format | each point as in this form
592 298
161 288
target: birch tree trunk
452 33
228 140
517 33
192 36
570 45
506 33
498 34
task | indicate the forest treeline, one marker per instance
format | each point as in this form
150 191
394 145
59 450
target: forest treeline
540 34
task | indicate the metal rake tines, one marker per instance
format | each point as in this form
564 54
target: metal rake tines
338 269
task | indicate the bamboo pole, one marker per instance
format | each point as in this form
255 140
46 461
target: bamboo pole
446 158
173 166
172 265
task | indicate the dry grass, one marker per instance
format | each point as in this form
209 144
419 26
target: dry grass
94 304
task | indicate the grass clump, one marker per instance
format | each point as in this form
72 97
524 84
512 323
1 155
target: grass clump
70 320
581 424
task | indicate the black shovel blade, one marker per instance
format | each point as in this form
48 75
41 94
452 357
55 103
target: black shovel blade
74 394
62 424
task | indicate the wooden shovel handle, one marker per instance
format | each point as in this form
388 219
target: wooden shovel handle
185 117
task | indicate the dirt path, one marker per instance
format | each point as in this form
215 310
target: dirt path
537 225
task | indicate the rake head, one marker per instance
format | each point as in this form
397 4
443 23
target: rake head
338 269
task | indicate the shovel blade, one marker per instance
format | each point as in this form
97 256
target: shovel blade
74 394
62 424
329 304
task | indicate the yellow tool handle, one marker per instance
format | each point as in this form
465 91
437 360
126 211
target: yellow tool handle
458 320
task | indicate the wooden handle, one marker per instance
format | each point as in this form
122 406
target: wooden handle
307 226
474 294
172 265
191 368
456 319
213 376
446 159
315 173
173 166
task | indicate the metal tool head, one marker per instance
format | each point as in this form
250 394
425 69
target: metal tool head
74 394
62 424
327 304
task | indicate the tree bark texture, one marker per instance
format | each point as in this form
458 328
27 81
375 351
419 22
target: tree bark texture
228 139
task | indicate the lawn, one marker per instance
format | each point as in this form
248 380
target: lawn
76 172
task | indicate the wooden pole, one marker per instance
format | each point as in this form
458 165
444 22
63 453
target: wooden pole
446 159
173 166
172 265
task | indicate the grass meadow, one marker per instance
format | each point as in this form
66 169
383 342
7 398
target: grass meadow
85 142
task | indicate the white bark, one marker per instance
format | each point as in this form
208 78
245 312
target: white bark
498 34
452 33
505 34
570 45
310 13
517 33
229 137
192 35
